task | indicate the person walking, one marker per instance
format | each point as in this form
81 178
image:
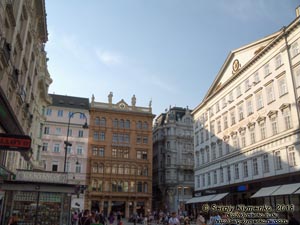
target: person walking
85 219
174 220
111 218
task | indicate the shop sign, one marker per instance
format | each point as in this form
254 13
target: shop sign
15 142
35 176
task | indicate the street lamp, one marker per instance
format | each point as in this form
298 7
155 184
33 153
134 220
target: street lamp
67 143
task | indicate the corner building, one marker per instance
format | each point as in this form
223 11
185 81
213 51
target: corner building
247 126
119 173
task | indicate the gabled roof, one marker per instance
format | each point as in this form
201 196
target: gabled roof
235 61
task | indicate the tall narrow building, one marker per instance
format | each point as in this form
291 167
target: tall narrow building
173 157
120 157
66 120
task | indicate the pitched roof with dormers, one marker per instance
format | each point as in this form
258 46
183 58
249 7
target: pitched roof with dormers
70 101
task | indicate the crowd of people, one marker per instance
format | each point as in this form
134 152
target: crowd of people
88 217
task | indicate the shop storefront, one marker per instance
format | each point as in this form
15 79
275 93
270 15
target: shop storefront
37 202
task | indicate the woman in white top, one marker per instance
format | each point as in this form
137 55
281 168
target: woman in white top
174 220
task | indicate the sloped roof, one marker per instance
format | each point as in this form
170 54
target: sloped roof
70 101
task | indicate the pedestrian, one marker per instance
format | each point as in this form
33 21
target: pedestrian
174 220
292 219
85 219
111 218
13 220
74 218
119 217
102 218
200 220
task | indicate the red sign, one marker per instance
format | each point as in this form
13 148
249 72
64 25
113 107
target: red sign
14 142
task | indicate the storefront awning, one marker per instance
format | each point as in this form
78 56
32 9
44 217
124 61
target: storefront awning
206 198
266 191
286 189
218 197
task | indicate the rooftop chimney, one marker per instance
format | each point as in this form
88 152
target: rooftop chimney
298 11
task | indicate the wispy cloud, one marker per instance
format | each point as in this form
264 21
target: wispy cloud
109 58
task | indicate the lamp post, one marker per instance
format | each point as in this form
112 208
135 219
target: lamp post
67 143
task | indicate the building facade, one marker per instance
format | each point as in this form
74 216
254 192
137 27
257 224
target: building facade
24 78
173 160
247 127
120 157
65 118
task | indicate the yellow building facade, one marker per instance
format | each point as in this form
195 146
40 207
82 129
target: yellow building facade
119 169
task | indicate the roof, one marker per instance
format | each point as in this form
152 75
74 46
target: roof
70 102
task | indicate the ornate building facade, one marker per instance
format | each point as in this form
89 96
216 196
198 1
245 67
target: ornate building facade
66 120
173 160
247 136
120 157
24 78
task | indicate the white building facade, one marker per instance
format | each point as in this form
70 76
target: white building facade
67 113
246 129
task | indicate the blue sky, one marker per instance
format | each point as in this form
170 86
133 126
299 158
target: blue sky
169 51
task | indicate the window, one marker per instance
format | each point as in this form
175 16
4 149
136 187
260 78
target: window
224 104
278 165
282 87
197 181
235 143
236 171
266 163
215 177
270 93
145 140
102 122
220 148
213 150
80 133
241 112
45 147
238 91
227 148
287 118
208 179
78 168
221 175
217 107
255 166
245 169
256 78
81 116
121 123
96 136
274 125
145 126
278 61
249 106
101 151
55 166
49 112
266 70
263 131
202 155
46 130
140 154
57 131
70 132
102 136
252 136
127 124
115 123
97 121
219 129
225 121
243 140
247 85
139 125
69 149
79 150
232 115
295 49
228 174
60 113
292 156
259 100
56 147
207 155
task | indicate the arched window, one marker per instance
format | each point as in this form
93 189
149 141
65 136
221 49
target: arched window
120 186
103 122
95 168
97 121
132 171
145 171
115 123
107 168
125 186
121 124
127 124
145 126
114 169
121 169
114 186
126 169
139 187
100 185
94 185
101 168
139 171
106 186
139 125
